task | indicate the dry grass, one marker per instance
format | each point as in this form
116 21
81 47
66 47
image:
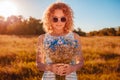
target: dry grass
18 54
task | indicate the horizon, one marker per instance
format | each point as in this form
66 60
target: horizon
89 15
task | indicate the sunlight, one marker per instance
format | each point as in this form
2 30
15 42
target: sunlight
7 8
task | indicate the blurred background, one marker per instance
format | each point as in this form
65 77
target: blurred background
96 21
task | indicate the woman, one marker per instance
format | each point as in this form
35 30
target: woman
57 22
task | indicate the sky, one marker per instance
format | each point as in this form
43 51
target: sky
89 15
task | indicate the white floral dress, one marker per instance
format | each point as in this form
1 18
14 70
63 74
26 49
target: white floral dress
50 75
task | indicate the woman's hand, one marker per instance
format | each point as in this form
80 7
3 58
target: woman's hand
58 69
62 69
69 69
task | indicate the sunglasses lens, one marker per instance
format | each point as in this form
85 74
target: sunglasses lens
63 19
55 19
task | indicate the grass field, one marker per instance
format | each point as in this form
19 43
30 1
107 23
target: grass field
18 55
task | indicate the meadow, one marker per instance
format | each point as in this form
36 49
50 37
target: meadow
18 56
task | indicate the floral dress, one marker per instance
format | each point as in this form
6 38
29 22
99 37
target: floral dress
50 75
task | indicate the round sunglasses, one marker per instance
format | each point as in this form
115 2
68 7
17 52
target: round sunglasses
62 19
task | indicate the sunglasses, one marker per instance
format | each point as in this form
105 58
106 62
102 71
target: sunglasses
62 19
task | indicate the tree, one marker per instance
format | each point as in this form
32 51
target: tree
2 25
35 26
118 31
79 32
104 32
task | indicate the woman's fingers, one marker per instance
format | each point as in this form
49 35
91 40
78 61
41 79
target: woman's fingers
56 68
62 69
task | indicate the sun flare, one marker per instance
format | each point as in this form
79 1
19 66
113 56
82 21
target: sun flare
7 8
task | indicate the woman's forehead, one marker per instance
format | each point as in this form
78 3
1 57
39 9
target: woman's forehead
58 12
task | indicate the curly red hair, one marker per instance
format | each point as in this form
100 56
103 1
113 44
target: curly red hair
50 11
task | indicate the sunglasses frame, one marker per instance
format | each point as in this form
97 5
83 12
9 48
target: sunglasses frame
56 19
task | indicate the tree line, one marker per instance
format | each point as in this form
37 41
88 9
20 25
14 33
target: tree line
18 25
106 32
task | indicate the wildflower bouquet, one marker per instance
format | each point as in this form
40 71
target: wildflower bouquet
62 50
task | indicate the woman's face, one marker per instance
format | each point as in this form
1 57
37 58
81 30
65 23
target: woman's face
58 20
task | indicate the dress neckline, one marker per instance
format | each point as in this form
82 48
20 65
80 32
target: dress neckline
60 35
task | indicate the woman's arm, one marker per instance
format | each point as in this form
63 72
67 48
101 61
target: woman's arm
79 59
40 55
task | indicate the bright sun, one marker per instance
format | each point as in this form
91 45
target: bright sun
7 8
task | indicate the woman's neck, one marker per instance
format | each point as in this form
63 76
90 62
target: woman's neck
58 33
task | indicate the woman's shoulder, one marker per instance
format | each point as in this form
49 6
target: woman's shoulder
76 36
41 37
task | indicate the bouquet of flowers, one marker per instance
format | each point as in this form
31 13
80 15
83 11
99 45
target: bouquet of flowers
62 50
